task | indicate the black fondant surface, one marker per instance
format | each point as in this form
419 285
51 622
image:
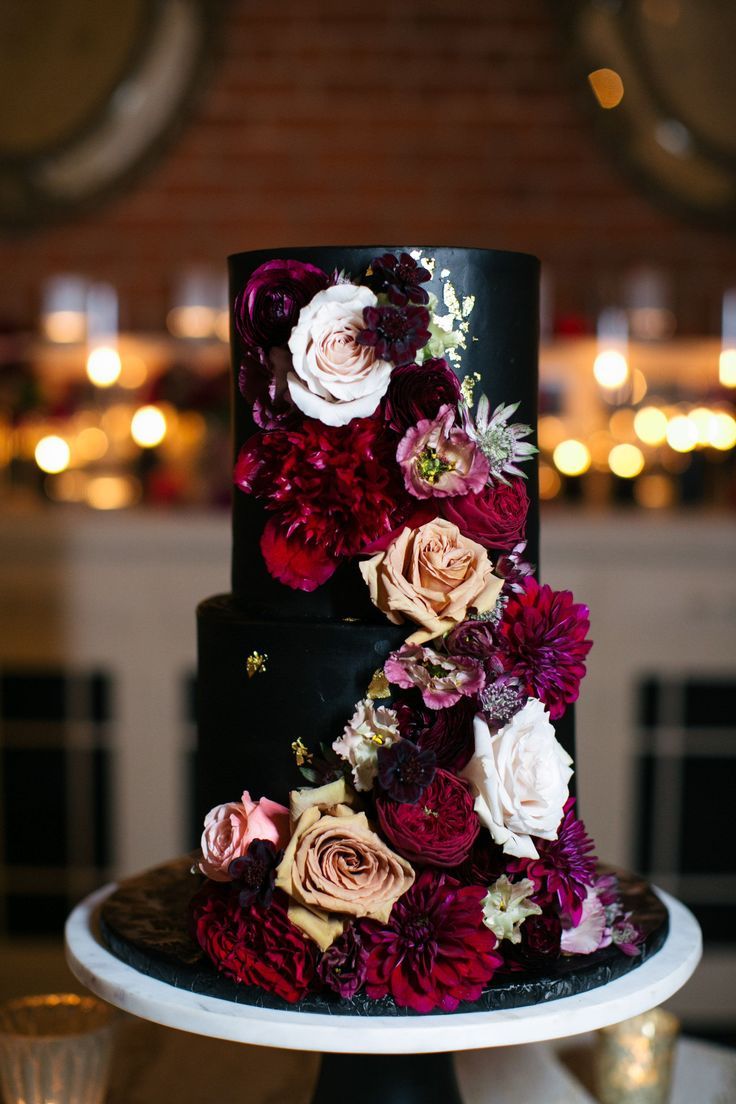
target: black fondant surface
315 673
501 348
145 924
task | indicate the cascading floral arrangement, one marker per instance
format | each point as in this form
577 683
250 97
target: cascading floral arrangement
437 842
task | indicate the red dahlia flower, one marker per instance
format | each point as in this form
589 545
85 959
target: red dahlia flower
542 642
435 950
333 490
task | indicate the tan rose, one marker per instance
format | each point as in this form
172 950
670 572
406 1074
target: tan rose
336 866
432 575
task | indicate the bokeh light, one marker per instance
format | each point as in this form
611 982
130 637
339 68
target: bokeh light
52 454
550 483
723 431
112 492
626 461
611 369
650 425
608 88
571 457
148 426
104 366
682 434
727 368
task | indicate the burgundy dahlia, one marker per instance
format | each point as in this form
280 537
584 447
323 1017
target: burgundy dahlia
565 867
438 830
405 771
253 874
417 391
494 516
540 936
400 278
269 305
435 950
342 967
254 946
542 638
332 490
395 333
448 733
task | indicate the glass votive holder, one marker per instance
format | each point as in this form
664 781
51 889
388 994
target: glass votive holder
56 1049
634 1059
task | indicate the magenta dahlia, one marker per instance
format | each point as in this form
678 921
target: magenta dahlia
542 641
435 950
565 867
332 490
395 333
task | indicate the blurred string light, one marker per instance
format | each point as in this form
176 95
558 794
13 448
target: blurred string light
727 359
650 425
723 431
571 457
611 368
52 454
607 86
112 492
682 433
148 426
103 360
63 308
626 461
550 483
200 309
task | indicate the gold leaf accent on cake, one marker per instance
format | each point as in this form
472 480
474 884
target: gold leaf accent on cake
302 754
468 387
379 687
255 664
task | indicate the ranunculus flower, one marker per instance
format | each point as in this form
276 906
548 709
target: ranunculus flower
441 679
336 866
439 460
448 733
371 727
495 516
418 391
432 576
520 777
335 378
472 638
439 830
269 304
229 829
254 945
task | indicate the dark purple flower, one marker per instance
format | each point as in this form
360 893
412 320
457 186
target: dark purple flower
446 732
472 638
417 391
565 867
262 383
405 771
396 333
541 935
542 637
401 278
342 967
268 306
435 950
513 569
254 874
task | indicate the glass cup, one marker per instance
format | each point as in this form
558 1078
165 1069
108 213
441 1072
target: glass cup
633 1061
56 1049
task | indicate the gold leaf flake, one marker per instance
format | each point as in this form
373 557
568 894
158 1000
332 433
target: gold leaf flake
255 664
302 754
379 687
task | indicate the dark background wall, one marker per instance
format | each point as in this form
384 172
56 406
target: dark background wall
454 121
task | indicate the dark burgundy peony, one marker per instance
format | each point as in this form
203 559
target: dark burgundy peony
332 490
417 391
439 830
396 333
342 967
474 639
435 950
540 936
542 642
268 306
446 732
253 874
405 771
565 867
254 946
400 278
494 517
262 383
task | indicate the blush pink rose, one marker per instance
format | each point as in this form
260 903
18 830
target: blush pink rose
229 830
431 575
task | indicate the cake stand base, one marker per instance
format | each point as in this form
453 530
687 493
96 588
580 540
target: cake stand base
388 1079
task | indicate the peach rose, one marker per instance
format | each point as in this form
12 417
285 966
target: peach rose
230 828
335 379
336 866
431 575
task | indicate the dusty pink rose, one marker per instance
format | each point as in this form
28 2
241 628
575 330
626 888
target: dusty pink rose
439 460
230 828
441 679
431 575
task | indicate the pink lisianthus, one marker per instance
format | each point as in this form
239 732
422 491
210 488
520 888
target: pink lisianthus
229 830
439 460
442 680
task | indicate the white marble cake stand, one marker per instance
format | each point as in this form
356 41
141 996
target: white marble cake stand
396 1080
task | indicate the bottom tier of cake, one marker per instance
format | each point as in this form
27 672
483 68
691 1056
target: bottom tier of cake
145 923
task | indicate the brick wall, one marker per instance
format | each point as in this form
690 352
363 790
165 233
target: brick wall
428 120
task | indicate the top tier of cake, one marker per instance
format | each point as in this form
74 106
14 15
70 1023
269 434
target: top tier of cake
491 299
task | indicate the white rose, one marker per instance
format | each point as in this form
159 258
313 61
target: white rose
335 379
520 777
369 728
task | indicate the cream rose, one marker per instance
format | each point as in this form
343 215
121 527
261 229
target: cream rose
432 575
520 777
230 828
336 866
335 379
